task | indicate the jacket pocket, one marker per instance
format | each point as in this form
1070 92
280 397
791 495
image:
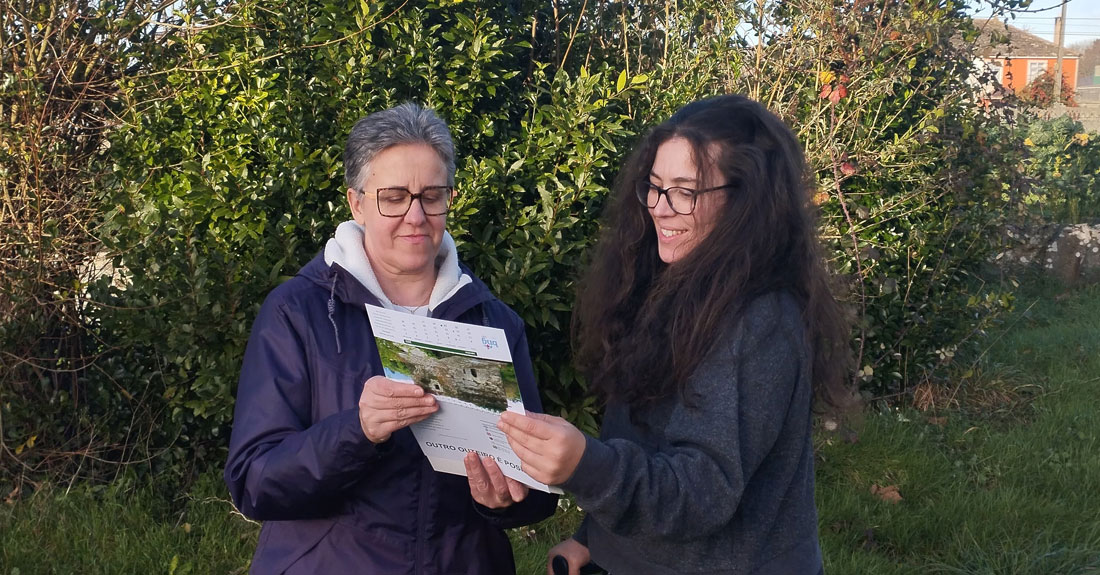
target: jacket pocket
284 543
348 549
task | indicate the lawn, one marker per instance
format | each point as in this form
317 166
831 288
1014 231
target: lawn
1005 482
1000 476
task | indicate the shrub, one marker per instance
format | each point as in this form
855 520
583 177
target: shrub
1040 92
224 174
60 65
908 189
1064 170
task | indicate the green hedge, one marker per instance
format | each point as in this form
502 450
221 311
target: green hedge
225 178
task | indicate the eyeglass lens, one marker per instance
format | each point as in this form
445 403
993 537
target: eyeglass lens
681 200
394 202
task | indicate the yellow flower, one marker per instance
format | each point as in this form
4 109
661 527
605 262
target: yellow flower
826 76
1081 138
1028 142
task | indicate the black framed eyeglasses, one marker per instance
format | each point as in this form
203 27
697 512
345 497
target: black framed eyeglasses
395 202
680 199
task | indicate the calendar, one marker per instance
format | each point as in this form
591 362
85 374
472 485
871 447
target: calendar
469 370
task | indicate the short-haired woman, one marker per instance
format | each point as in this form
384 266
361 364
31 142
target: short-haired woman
320 450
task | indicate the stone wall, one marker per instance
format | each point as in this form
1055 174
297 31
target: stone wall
1074 255
1088 113
1070 253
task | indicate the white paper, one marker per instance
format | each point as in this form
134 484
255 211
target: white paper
468 368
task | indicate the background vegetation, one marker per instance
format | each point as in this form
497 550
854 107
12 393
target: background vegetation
1064 162
1001 476
165 164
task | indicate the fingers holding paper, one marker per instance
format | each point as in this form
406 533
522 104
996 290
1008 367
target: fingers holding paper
549 447
386 406
489 486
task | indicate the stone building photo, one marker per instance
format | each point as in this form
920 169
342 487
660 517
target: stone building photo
485 383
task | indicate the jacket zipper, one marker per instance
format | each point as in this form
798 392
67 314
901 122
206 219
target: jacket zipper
421 530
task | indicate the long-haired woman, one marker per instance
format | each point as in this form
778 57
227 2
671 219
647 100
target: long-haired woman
706 326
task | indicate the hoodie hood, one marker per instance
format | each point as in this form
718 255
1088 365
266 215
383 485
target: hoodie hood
345 249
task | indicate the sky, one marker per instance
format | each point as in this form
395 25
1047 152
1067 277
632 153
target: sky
1082 19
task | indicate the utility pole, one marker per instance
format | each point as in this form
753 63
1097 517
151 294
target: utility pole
1060 33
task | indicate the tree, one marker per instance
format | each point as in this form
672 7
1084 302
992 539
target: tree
61 65
1086 65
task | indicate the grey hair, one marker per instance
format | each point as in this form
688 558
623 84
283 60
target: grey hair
409 123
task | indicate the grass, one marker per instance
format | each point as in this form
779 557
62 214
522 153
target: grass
1003 477
989 486
112 529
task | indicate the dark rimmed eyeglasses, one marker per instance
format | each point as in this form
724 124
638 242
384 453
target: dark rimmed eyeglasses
395 202
680 199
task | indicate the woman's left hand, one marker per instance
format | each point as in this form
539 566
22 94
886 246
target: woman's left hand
549 447
489 486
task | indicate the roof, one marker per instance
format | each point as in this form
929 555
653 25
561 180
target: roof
1020 43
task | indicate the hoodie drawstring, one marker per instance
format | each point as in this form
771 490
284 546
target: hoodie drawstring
331 311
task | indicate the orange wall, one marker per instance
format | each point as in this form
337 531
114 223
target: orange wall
1015 71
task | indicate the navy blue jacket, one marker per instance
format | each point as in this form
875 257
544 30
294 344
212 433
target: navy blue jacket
331 501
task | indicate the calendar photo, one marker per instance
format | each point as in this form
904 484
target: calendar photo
485 383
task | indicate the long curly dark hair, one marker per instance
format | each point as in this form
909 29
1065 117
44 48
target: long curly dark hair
632 306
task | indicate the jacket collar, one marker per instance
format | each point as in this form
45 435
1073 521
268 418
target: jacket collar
338 282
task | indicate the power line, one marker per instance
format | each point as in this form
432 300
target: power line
1057 6
1051 33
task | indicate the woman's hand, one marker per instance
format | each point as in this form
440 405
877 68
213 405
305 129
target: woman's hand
386 406
549 447
576 554
489 486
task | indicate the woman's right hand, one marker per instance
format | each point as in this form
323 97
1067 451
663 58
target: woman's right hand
576 554
386 406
